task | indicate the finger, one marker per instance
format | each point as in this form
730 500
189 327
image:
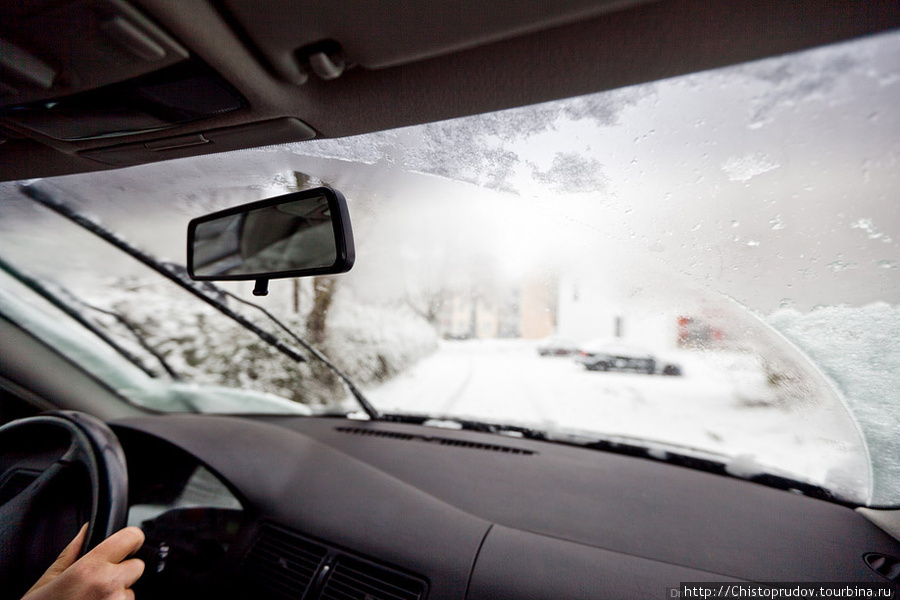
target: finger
65 560
128 572
70 553
119 545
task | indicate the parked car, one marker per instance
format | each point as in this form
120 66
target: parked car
607 355
507 166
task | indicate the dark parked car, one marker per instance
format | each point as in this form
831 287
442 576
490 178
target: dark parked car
606 355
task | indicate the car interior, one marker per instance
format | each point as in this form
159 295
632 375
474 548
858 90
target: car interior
274 506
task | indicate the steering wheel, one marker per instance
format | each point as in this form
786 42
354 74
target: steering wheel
58 471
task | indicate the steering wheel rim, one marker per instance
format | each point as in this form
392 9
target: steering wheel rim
93 450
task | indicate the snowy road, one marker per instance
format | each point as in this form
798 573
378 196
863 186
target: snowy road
719 405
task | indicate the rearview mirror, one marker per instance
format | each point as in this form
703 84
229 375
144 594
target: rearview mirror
295 235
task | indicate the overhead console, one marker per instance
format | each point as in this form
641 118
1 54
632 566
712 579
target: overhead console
181 93
53 49
89 77
99 68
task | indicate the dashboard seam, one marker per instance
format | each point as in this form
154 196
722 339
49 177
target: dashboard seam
475 560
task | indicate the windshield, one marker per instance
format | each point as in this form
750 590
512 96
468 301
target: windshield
704 265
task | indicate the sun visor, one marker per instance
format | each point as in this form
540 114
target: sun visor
369 34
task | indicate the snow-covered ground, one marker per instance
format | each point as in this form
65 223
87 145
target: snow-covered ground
721 404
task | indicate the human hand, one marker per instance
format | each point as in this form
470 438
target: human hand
101 574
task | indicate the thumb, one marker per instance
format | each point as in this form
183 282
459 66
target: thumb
65 560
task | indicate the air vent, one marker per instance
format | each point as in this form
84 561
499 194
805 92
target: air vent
443 441
395 435
354 580
886 566
281 563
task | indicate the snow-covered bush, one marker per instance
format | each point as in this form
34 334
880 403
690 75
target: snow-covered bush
373 343
369 343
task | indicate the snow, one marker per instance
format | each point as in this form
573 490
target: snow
747 167
710 409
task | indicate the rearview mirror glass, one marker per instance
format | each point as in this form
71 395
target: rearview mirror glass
295 235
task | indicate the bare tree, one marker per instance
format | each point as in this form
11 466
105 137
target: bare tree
316 321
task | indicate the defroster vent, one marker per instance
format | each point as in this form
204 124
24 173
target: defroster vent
433 439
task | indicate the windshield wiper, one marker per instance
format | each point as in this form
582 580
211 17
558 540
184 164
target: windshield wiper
470 425
66 307
120 318
179 276
627 447
363 401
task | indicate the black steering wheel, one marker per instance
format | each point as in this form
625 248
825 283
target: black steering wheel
58 471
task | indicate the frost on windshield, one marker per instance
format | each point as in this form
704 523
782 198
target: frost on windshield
859 348
656 264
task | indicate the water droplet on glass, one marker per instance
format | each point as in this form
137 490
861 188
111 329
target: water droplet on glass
777 223
887 264
840 265
735 224
786 303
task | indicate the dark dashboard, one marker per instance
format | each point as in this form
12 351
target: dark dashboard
336 508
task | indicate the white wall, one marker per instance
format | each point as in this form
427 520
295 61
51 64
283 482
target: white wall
588 309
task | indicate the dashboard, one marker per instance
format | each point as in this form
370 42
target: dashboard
295 507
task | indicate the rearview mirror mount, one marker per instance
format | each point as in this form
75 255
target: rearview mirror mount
296 235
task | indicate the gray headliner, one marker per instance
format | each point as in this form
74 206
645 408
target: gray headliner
596 49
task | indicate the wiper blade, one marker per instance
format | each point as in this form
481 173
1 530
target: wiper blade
43 291
360 398
628 448
718 465
120 318
470 425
